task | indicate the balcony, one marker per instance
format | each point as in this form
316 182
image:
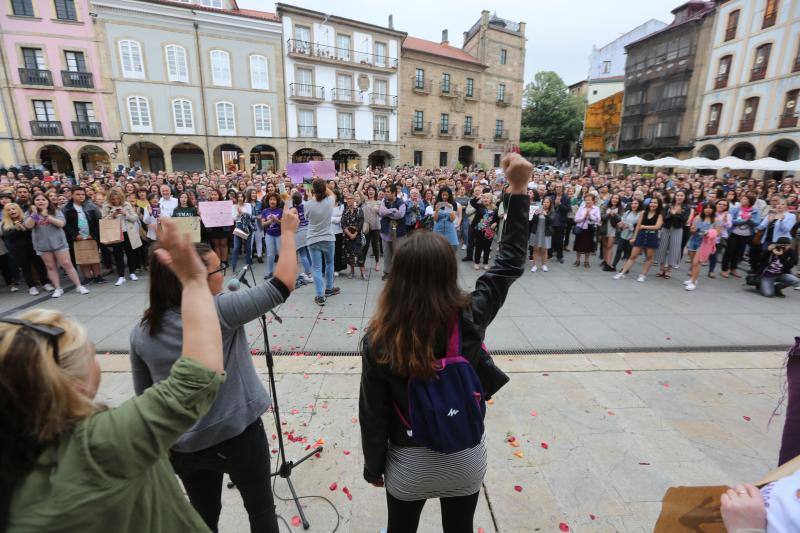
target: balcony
334 54
80 80
346 97
758 73
420 85
448 90
747 124
382 101
721 81
673 104
446 130
380 135
306 93
470 132
631 144
420 128
636 110
347 134
730 34
307 132
87 129
788 120
500 135
503 100
46 128
712 128
35 76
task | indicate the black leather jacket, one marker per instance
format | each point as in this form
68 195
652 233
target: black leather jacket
381 390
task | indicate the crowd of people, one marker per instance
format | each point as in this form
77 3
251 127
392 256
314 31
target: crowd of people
711 223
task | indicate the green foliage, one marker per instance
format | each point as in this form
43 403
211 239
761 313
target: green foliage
550 113
459 166
536 149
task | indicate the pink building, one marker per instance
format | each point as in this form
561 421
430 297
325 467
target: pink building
58 105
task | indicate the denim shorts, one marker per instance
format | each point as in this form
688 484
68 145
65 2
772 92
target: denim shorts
647 239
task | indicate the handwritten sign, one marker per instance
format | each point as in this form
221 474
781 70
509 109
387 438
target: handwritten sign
298 171
190 225
216 214
324 169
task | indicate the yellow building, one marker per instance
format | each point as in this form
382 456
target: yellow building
601 130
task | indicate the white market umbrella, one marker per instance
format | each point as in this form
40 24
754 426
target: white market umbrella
767 163
732 163
792 166
665 162
697 162
636 161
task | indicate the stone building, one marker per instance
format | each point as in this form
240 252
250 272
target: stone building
749 107
601 129
664 78
58 107
198 85
462 105
341 84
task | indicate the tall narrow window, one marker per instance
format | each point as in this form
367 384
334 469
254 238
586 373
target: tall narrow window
770 13
177 68
84 112
445 83
302 40
470 90
419 79
220 68
790 107
419 118
22 8
467 125
417 158
503 56
262 120
761 62
749 114
130 55
714 114
306 124
139 114
733 25
380 54
76 61
226 124
501 92
182 115
346 129
442 159
723 72
65 10
43 109
380 125
444 123
498 128
343 47
381 92
303 82
33 59
259 72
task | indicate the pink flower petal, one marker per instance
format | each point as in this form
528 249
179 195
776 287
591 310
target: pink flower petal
296 521
534 413
629 372
592 517
545 445
347 452
518 488
563 527
333 486
747 418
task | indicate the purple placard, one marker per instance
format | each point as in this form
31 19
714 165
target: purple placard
324 169
216 214
298 171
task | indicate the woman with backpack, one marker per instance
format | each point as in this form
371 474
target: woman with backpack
421 450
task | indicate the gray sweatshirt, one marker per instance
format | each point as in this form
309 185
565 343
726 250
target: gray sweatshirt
242 398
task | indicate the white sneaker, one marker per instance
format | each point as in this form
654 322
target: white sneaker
48 287
534 268
33 291
545 269
477 266
687 282
619 275
641 278
690 286
463 246
120 281
57 293
486 267
307 278
336 274
134 277
82 290
13 288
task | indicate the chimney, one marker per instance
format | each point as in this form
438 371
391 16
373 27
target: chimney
485 18
444 37
522 28
391 22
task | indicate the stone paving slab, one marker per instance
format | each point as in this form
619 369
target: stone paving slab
619 430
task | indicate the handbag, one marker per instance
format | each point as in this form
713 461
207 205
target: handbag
239 232
757 237
577 230
111 230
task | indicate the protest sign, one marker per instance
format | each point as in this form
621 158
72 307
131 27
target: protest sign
217 214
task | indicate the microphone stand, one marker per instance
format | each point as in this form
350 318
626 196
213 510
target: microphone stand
286 467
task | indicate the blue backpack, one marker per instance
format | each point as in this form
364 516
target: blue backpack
447 411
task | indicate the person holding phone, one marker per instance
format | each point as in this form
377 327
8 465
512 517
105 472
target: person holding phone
445 214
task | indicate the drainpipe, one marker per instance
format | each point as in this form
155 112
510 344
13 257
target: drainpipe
202 93
14 113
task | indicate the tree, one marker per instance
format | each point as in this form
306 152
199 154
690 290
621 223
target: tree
551 114
536 149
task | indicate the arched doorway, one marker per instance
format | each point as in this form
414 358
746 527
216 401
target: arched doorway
187 157
709 151
466 155
744 151
264 157
380 159
56 159
228 158
785 150
147 156
346 160
304 155
94 158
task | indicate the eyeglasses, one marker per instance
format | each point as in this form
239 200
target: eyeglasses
223 269
52 333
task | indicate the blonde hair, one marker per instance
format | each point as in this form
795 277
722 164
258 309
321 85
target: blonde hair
7 223
115 192
38 397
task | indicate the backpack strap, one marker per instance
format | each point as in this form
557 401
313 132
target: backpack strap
454 342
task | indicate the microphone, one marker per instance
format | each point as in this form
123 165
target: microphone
235 283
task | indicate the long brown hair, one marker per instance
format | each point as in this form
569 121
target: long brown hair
419 301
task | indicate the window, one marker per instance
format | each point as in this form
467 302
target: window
177 69
259 72
84 112
669 128
130 55
761 62
262 118
182 115
226 124
306 125
343 47
770 14
380 124
33 59
419 118
344 82
749 114
606 67
302 36
503 56
733 25
220 68
445 83
498 128
789 116
65 10
417 158
381 91
442 159
467 125
380 54
444 123
139 114
497 160
714 114
22 8
76 61
43 109
723 72
470 88
212 3
796 66
419 79
501 92
345 124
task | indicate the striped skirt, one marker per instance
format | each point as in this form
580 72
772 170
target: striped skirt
669 249
418 473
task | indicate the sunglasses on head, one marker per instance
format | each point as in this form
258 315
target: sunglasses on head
51 333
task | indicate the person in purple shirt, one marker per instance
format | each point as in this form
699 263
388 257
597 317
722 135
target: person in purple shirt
271 222
392 212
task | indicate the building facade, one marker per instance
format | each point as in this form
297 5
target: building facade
341 85
601 129
664 79
58 105
196 85
749 107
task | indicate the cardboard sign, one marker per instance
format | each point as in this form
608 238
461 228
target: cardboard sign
216 214
324 169
134 238
190 225
110 230
86 252
298 171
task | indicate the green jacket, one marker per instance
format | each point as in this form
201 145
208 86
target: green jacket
112 473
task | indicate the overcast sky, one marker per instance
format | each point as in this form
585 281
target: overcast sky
560 32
